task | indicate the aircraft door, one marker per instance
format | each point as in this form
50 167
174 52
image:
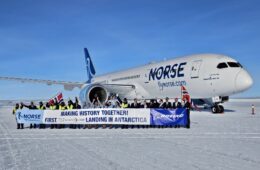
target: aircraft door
195 69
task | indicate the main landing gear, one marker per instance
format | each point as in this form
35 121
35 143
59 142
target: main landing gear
217 109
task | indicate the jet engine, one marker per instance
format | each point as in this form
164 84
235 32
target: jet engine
103 91
88 93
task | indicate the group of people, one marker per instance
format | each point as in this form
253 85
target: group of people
113 102
48 106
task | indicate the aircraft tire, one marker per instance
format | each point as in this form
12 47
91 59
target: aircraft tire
217 109
221 109
214 109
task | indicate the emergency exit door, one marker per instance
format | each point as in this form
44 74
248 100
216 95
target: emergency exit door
195 69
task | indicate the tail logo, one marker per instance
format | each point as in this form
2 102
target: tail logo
89 66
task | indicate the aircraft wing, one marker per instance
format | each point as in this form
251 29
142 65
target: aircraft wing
67 85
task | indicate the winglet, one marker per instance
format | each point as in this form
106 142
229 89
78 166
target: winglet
89 65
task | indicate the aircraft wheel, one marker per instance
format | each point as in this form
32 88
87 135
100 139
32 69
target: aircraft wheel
221 109
214 109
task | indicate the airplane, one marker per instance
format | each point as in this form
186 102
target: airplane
209 78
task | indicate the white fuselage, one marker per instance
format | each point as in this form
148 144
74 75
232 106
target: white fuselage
198 73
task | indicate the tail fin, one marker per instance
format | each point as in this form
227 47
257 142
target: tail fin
89 65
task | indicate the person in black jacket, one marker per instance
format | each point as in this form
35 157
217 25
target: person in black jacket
135 104
76 104
167 104
31 107
160 103
176 104
187 106
145 104
154 103
56 104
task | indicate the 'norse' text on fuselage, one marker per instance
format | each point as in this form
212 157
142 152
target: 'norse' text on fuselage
166 72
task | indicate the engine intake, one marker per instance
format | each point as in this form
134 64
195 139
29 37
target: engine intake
91 92
98 91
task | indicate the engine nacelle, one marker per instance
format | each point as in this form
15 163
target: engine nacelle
88 93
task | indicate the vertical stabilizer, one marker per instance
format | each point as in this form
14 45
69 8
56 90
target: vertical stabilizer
89 66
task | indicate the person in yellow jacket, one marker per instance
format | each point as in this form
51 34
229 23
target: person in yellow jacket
124 104
53 107
70 106
16 108
62 106
41 107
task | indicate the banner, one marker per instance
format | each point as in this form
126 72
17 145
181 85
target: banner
168 117
104 116
29 116
98 116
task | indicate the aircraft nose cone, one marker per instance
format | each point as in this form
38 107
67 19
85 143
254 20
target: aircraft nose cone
243 81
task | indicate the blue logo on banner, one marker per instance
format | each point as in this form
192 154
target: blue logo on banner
27 116
168 117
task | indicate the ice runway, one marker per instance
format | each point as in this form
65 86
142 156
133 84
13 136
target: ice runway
223 141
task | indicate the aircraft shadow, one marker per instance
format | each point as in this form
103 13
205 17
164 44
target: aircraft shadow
228 110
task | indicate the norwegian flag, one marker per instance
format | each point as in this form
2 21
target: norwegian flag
58 97
185 94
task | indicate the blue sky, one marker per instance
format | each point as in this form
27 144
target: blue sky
45 39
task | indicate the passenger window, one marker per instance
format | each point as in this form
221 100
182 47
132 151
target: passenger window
233 64
222 65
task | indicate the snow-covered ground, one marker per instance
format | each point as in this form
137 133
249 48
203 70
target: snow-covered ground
215 141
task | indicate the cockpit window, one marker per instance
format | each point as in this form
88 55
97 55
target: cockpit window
240 65
233 64
222 65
